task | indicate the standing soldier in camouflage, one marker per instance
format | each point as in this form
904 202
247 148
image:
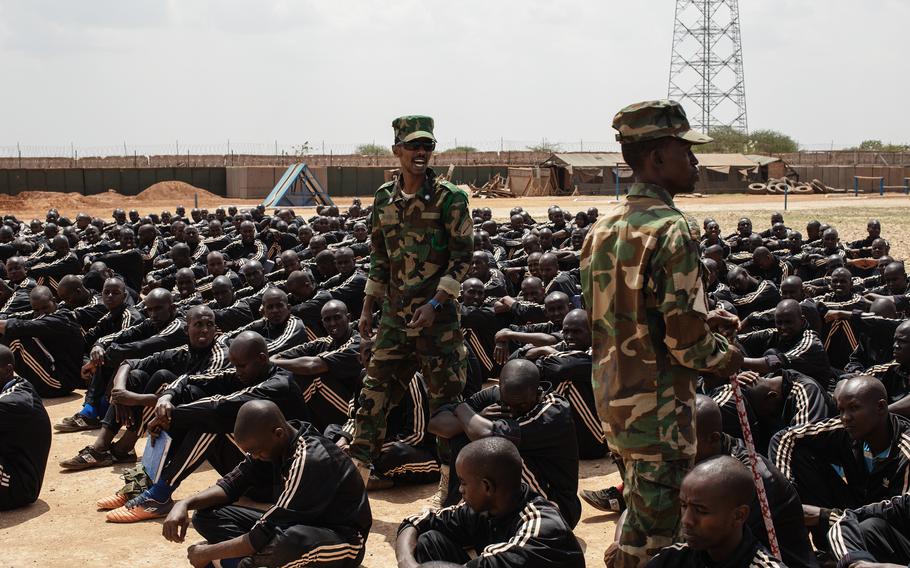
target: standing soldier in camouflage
422 246
652 332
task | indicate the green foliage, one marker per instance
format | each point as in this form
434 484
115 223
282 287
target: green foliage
460 150
728 140
879 146
373 150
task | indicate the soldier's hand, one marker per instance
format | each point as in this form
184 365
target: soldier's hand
87 371
871 297
721 319
163 411
365 325
733 364
833 315
123 414
97 354
198 555
747 378
493 412
501 352
175 524
423 316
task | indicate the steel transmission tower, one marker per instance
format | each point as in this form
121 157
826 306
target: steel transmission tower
706 66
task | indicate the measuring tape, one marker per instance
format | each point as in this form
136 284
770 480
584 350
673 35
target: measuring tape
753 464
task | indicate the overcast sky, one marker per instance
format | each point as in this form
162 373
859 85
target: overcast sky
104 73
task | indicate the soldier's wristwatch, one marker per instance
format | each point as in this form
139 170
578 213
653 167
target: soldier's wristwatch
437 305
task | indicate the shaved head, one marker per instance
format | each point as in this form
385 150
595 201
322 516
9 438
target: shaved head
248 344
256 418
495 459
7 357
867 389
723 478
41 294
707 415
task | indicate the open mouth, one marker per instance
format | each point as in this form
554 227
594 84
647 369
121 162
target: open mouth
420 162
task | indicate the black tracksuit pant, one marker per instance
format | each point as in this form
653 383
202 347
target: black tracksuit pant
319 546
143 383
434 545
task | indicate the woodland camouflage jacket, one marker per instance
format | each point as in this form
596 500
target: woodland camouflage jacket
642 285
421 244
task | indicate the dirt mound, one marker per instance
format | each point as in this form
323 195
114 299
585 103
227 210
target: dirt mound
65 202
173 190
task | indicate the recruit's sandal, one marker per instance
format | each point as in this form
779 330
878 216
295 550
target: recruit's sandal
141 508
77 423
135 482
609 499
88 457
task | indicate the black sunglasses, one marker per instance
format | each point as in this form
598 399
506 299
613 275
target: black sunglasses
413 145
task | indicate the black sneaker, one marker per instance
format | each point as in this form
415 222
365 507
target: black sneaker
609 499
87 458
124 457
77 423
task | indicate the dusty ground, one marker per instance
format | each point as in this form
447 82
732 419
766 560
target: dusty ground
63 528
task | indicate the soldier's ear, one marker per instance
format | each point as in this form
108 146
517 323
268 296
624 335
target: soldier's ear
657 156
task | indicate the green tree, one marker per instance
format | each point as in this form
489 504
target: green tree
372 150
772 142
460 150
879 146
729 140
873 145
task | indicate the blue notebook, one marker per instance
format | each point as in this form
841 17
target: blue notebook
154 455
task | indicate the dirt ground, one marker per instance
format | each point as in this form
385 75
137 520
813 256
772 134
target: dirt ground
63 528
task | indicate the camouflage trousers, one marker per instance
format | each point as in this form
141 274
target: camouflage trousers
651 491
438 352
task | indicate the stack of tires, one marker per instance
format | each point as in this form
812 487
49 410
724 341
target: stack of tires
787 185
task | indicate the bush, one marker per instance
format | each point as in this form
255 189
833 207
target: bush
728 140
460 150
373 150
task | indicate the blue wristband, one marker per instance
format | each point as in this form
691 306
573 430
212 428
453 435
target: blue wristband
435 303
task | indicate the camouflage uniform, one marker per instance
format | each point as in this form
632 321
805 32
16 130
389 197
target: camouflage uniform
642 284
421 244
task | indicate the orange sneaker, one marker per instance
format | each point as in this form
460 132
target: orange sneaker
141 508
115 502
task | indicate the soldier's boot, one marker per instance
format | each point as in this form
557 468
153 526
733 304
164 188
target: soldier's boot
371 481
442 493
364 470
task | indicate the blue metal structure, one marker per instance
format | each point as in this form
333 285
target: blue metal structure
298 187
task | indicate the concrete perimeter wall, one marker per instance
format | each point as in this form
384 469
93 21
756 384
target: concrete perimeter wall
89 181
841 177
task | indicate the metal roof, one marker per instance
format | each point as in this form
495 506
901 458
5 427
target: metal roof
609 160
584 160
724 160
762 160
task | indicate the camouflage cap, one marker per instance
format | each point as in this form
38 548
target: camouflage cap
412 127
650 120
